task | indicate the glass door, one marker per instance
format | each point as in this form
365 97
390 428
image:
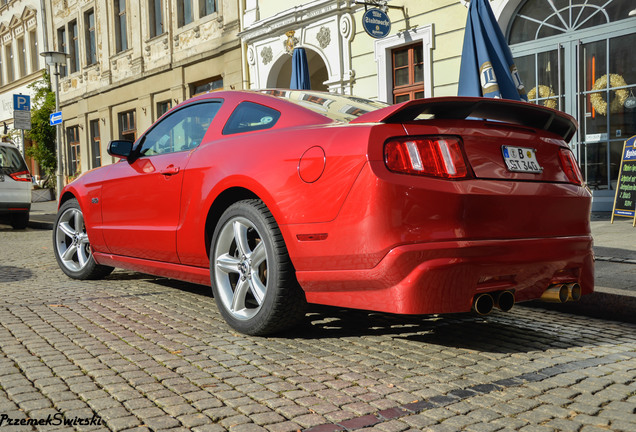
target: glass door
607 106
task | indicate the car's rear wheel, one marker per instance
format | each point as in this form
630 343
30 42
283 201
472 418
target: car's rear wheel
71 245
20 220
253 279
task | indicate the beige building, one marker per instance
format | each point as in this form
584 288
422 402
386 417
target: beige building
22 33
131 61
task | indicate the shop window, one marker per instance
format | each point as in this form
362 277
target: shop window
89 30
155 15
408 73
96 146
73 140
121 32
127 126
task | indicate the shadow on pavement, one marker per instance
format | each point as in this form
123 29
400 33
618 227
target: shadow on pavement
14 274
468 331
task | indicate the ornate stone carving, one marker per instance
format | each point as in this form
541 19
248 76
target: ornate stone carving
251 58
346 26
324 37
267 55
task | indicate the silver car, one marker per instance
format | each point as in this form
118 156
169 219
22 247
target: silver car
15 187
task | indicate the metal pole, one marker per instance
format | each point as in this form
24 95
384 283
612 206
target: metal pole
60 170
23 143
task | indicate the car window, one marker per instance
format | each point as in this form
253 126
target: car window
249 116
11 161
181 130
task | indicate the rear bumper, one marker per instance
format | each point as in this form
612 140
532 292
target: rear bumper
14 207
444 277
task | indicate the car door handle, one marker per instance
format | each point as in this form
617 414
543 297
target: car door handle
170 170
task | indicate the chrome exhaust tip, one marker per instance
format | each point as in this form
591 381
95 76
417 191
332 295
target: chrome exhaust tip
574 292
557 293
483 304
505 300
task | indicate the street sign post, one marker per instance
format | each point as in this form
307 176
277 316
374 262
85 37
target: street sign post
55 118
22 116
22 112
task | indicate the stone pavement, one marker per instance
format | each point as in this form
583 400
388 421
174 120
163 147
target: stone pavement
139 353
614 246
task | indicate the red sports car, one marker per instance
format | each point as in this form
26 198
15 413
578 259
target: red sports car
282 198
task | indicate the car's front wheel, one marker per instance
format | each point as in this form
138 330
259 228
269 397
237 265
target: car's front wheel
71 245
253 279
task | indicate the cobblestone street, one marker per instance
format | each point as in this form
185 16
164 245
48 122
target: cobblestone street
136 352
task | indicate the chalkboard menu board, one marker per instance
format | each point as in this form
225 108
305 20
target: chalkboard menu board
625 199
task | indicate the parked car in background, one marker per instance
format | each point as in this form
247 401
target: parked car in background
15 187
279 198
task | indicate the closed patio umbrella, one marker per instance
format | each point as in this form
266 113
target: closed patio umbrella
300 71
487 68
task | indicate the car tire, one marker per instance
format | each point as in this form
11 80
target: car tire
253 279
20 220
71 245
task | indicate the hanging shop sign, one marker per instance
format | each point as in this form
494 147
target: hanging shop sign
376 23
625 199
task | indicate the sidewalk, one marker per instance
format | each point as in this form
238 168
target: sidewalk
615 270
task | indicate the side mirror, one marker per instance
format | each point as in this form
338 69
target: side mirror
120 148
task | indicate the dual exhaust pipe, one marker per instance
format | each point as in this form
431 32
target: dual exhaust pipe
561 293
484 303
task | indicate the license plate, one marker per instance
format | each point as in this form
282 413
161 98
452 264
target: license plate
521 159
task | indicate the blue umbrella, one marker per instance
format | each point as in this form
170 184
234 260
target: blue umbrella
487 68
300 71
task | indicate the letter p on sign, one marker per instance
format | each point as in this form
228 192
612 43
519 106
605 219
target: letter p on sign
21 103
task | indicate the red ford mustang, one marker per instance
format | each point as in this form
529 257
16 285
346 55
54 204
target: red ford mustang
282 198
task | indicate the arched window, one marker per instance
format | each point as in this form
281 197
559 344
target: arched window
577 56
537 19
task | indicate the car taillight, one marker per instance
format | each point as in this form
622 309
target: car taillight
438 156
570 166
21 176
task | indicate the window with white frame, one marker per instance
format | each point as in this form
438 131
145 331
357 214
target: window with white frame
419 62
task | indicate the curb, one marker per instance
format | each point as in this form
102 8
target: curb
40 224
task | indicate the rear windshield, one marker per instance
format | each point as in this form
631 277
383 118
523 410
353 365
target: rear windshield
334 106
11 161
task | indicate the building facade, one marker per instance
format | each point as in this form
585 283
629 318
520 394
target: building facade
573 55
22 34
131 61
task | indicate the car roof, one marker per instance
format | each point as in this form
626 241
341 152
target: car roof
329 106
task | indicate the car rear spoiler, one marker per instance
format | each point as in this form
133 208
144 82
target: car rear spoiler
460 108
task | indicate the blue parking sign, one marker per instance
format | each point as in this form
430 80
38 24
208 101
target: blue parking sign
21 102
